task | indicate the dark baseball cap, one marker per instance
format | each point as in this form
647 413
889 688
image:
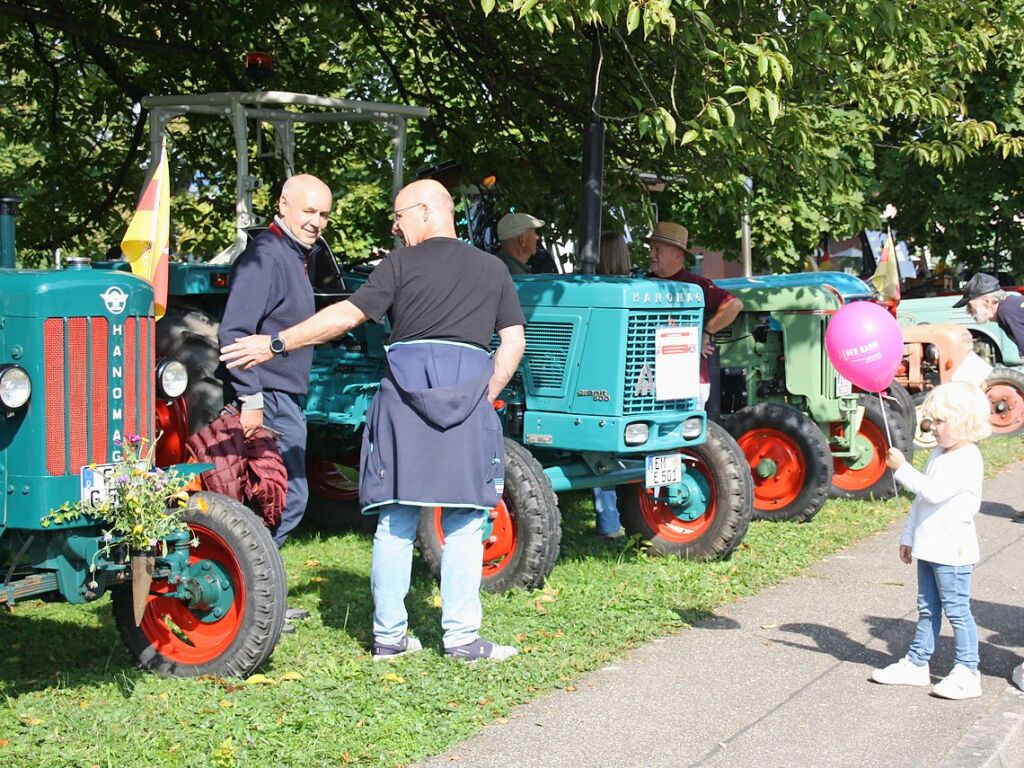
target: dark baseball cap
979 285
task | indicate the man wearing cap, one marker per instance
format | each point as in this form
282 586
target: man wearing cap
518 235
986 301
667 257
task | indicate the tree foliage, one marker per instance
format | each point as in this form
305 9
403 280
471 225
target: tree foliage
832 108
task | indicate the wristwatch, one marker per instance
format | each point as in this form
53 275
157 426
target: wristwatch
277 345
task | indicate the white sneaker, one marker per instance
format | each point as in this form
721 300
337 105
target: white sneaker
961 683
903 672
1018 676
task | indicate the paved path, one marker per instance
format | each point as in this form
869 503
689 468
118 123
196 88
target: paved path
781 679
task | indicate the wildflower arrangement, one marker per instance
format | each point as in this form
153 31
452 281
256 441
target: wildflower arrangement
141 503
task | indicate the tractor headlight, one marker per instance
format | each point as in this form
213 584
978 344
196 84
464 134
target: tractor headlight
692 427
637 433
171 378
15 386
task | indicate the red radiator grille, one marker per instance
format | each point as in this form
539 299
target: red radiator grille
79 388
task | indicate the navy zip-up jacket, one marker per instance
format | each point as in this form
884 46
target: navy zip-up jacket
270 291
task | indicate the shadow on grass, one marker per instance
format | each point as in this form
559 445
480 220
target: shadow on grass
43 652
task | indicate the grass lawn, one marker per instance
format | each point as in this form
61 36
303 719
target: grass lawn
70 696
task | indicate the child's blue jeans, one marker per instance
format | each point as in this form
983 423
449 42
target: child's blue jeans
944 589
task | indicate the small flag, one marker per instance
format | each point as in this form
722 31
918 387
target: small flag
825 260
887 274
146 244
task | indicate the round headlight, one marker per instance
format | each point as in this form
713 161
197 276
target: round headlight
171 379
15 387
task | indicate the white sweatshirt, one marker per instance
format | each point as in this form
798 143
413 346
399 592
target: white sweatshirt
940 527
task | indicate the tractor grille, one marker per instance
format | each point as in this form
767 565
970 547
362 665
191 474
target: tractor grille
643 327
96 387
547 350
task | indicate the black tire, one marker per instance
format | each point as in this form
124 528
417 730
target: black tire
189 335
333 504
527 529
235 645
866 476
905 405
789 460
1005 390
720 470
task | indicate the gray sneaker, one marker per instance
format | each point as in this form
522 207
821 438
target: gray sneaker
480 649
384 652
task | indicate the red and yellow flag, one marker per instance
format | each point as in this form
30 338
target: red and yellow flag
146 244
887 274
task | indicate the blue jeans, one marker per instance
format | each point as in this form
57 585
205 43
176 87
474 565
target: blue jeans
944 588
461 570
606 505
283 414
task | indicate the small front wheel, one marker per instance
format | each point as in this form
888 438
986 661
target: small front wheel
711 531
1005 390
236 551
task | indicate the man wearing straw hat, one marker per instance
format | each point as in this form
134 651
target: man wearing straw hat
667 258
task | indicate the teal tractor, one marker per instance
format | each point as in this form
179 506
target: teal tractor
78 375
804 431
587 408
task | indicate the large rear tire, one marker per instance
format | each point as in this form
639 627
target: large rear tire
905 405
189 335
1005 390
174 641
720 470
865 476
524 533
789 460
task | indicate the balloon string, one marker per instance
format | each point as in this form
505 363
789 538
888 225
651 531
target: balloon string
888 437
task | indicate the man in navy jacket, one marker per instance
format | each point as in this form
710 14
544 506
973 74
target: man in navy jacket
270 291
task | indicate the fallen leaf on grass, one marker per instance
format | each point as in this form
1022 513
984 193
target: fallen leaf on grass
540 608
290 676
317 579
225 704
312 563
769 626
570 688
260 680
437 601
391 677
521 636
4 742
83 704
33 721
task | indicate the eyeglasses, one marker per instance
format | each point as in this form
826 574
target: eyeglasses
396 215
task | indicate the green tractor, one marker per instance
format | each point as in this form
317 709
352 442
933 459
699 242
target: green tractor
78 375
587 408
805 433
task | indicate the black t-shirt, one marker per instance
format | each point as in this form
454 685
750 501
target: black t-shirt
441 289
1010 317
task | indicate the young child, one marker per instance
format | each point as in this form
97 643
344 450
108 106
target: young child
940 533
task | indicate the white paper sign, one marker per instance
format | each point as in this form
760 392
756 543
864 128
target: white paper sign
677 363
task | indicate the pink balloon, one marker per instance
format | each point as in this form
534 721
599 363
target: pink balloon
865 345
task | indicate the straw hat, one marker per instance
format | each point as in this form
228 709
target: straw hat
671 234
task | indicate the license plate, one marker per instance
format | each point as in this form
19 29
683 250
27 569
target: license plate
94 483
843 386
664 469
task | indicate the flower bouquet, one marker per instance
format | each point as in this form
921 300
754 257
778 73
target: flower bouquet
137 512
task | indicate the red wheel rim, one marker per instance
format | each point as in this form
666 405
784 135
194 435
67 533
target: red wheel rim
849 479
783 487
500 545
663 522
195 641
1007 408
328 480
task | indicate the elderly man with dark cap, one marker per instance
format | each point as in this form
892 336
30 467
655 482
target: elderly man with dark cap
667 259
518 235
986 301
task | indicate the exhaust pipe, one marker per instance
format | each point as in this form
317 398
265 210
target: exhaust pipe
8 251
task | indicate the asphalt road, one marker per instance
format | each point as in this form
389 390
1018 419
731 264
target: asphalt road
781 679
